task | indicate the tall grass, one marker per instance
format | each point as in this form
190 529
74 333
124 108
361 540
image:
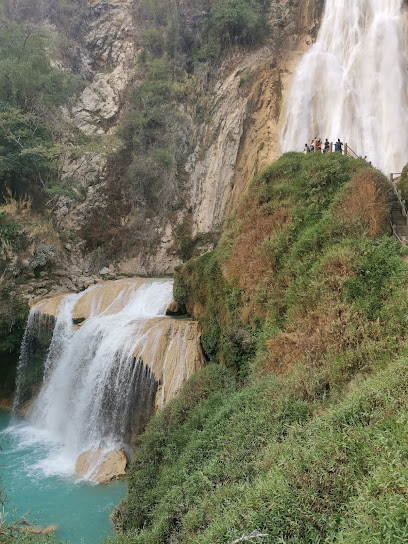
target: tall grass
297 428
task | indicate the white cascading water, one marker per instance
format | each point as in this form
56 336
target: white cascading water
92 384
352 84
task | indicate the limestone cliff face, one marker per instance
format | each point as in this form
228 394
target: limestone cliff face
107 58
244 112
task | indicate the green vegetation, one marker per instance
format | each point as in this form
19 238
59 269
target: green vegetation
301 432
12 324
31 90
65 14
403 183
28 249
14 530
239 21
27 78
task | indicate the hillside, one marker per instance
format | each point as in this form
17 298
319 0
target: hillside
296 428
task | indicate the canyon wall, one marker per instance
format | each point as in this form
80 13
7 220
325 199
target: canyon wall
235 138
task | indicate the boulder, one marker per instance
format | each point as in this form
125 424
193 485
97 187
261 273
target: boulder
173 309
101 466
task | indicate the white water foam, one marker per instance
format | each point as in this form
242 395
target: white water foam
92 384
352 84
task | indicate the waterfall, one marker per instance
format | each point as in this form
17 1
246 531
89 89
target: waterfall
95 392
352 84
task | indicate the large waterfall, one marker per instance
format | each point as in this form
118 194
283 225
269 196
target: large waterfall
352 84
112 357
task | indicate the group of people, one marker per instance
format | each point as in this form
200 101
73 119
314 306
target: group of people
317 145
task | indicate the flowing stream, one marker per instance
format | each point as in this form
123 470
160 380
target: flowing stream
352 84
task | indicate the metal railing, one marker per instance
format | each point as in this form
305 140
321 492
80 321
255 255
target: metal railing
394 179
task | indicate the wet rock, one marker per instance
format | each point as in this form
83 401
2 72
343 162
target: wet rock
173 309
100 466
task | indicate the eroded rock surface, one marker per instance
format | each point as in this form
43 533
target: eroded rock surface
108 50
244 113
101 466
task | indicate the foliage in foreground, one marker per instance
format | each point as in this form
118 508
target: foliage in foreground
15 530
304 436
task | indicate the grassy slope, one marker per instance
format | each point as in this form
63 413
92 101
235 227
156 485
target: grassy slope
301 431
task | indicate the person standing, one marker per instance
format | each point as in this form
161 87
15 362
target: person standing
339 146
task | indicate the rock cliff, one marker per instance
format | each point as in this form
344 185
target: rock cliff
236 136
242 104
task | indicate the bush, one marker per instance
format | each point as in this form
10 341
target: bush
403 183
31 90
239 21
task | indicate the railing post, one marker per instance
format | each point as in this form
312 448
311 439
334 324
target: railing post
345 150
392 178
331 147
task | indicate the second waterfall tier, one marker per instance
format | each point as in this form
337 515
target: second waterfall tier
113 359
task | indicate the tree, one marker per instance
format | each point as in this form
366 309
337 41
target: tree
33 139
28 78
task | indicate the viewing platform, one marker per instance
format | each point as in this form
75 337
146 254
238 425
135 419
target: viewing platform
347 151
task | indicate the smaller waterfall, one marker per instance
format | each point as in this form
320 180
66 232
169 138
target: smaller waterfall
34 349
352 84
100 378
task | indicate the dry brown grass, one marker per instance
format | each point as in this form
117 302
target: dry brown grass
249 261
315 335
38 228
366 203
337 268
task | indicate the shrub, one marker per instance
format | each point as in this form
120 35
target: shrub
403 183
237 21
